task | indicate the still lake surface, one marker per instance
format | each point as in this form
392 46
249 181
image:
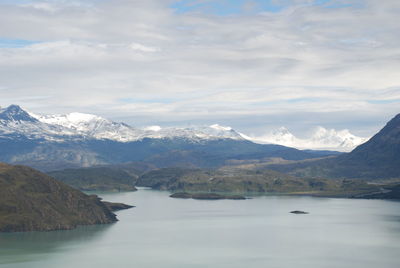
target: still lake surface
163 232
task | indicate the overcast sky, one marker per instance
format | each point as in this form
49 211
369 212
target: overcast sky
254 65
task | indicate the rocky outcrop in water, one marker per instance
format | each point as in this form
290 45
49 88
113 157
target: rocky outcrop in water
298 212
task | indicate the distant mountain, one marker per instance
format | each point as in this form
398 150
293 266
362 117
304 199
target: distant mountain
321 139
15 122
78 126
33 201
96 127
378 158
74 140
14 113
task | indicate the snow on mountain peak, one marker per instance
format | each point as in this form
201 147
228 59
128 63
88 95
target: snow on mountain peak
332 138
280 136
218 127
194 133
321 139
93 126
80 125
81 117
152 128
217 131
283 133
14 113
69 120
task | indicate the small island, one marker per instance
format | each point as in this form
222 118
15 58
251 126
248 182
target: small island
299 212
207 196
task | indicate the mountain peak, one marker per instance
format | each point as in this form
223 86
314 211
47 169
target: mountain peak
82 117
16 113
153 128
321 139
219 127
79 121
282 131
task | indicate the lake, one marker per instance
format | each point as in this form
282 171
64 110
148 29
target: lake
163 232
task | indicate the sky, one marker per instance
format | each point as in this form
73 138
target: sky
251 64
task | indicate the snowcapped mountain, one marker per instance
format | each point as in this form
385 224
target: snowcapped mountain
193 133
321 139
79 126
14 113
14 120
330 138
202 132
50 142
93 126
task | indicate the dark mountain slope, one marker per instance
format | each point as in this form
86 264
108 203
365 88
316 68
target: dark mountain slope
15 113
33 201
380 156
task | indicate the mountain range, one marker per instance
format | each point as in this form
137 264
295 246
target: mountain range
53 142
320 139
372 170
88 126
80 126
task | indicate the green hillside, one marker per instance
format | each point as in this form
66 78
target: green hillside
33 201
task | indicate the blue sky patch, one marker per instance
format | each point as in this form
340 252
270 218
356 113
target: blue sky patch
237 7
15 43
226 7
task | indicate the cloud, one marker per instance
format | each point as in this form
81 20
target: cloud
307 58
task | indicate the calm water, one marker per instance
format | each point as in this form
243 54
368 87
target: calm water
163 232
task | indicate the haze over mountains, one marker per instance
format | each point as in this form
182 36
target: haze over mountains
320 139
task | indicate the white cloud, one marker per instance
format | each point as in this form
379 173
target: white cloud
140 47
305 59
